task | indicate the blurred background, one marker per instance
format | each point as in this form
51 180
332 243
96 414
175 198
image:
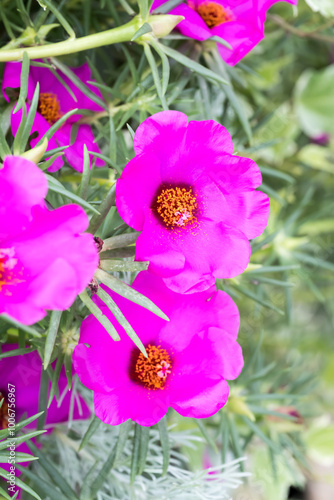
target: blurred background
279 110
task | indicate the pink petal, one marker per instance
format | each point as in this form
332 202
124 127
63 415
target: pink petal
248 212
143 407
23 185
235 173
132 194
12 79
193 25
75 152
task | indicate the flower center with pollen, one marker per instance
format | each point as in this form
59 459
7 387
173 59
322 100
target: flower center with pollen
3 412
7 265
153 371
176 206
49 107
214 14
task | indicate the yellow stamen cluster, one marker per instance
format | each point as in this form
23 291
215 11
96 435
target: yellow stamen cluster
3 412
176 206
153 371
49 107
3 281
214 14
7 264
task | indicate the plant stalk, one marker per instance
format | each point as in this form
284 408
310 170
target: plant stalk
121 34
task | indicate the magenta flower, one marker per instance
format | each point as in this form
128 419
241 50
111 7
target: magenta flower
239 22
192 199
189 358
54 101
45 261
24 374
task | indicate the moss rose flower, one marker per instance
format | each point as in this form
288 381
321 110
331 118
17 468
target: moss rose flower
194 201
54 101
189 358
45 261
239 22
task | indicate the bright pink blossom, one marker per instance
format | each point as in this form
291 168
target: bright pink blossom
194 201
54 101
23 373
239 22
45 261
189 358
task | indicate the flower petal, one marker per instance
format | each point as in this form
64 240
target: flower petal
248 212
12 79
143 407
234 173
192 25
75 152
136 189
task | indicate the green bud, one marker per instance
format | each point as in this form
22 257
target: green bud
162 25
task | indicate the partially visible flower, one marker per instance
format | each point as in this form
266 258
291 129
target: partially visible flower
54 101
194 201
45 261
189 358
239 22
20 378
321 139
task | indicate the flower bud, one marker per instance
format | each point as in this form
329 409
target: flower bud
35 154
162 25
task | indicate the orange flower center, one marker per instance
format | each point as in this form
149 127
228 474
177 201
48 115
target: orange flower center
176 206
3 412
214 14
49 107
7 264
153 371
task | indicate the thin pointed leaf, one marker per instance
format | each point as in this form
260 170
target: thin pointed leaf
55 378
21 439
30 120
51 470
165 65
135 453
48 488
143 449
76 80
165 444
96 311
56 126
104 208
20 483
20 326
205 434
17 352
42 400
51 336
55 187
85 175
145 28
115 310
23 82
129 293
192 65
92 428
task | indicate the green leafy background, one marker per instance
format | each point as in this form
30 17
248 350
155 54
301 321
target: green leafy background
278 104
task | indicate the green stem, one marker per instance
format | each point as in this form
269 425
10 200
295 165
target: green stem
121 34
